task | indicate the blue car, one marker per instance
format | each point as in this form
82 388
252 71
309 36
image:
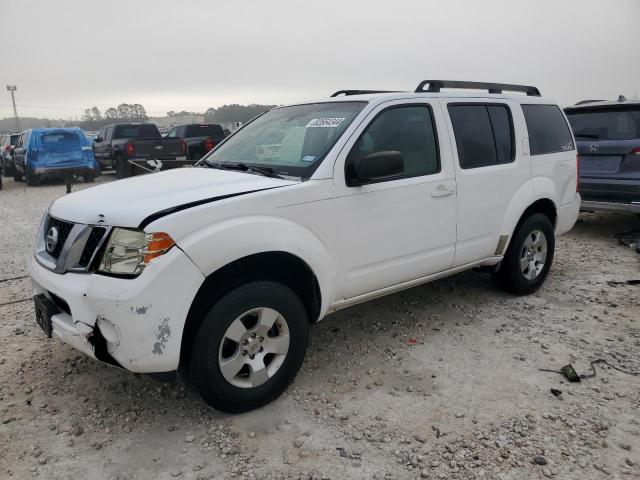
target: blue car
54 152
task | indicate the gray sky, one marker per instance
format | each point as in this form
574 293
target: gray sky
66 55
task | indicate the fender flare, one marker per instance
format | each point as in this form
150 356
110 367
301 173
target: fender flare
217 245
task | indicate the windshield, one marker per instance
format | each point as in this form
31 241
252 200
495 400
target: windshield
612 124
290 140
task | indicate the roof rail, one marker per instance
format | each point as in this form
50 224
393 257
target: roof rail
359 92
582 102
436 85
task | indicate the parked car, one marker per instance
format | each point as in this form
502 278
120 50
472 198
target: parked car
608 138
134 148
53 152
220 270
7 144
198 138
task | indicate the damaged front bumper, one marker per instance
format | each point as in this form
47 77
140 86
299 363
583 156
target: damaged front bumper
134 323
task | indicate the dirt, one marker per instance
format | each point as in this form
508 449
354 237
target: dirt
441 381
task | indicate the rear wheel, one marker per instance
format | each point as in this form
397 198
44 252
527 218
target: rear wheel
526 263
8 168
17 176
123 167
31 178
249 347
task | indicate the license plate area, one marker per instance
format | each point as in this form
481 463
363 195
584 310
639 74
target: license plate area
45 309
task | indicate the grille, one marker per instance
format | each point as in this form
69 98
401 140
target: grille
92 243
64 228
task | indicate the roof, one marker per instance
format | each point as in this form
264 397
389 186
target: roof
591 104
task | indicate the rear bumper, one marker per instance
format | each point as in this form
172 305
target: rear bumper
134 323
160 163
595 206
567 215
48 172
610 190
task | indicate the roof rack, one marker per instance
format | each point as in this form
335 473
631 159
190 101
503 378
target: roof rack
436 85
582 102
359 92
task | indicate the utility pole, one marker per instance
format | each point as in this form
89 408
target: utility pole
13 88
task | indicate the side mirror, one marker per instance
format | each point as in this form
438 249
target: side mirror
375 167
98 139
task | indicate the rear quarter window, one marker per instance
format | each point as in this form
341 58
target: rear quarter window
548 130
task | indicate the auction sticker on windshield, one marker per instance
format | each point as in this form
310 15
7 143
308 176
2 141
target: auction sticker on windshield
325 122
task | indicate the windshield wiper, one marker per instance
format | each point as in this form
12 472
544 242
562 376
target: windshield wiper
587 135
265 171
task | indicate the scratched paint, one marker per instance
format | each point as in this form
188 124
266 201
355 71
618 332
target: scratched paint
141 310
162 337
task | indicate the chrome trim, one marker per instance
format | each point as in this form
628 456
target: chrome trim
71 253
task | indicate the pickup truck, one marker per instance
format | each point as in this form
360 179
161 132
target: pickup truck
198 138
135 148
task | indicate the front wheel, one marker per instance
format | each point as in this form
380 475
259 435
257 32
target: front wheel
526 263
249 347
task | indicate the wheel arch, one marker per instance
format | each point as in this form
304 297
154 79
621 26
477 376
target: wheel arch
279 266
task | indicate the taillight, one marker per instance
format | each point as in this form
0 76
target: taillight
7 148
635 151
208 144
131 149
577 173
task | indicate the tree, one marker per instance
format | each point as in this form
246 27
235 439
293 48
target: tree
124 111
171 113
209 114
139 113
238 113
111 113
95 112
87 115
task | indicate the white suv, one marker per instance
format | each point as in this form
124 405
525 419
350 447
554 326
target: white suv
220 269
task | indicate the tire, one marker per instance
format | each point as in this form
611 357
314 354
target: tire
9 170
17 176
524 268
31 178
123 168
89 177
243 391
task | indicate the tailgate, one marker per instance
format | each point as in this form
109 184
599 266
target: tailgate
608 159
158 147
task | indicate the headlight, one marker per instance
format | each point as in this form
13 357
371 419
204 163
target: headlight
129 251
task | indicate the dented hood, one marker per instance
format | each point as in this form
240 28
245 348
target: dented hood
130 202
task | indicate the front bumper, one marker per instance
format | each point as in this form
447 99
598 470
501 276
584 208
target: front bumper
140 320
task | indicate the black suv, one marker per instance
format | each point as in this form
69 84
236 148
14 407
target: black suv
608 138
198 138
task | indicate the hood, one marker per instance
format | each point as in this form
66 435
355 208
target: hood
127 203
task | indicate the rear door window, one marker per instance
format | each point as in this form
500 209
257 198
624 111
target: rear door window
483 133
548 130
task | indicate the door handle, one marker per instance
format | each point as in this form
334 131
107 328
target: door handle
442 191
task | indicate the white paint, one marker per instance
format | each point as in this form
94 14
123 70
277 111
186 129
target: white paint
360 242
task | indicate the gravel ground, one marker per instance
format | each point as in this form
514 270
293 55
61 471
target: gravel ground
439 382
